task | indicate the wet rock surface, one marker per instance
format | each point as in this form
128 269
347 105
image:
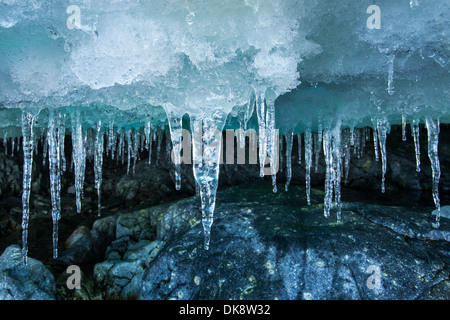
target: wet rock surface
267 246
32 281
263 246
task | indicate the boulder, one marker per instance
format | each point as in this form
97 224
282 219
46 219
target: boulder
273 246
32 281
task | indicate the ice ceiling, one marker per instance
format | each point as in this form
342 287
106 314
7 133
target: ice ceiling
299 66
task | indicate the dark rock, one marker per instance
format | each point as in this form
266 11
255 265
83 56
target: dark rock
90 247
272 246
121 277
24 282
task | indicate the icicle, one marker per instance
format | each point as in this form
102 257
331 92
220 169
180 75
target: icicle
112 137
375 142
55 176
289 141
272 142
352 135
27 147
150 142
382 128
249 110
319 144
403 127
415 132
13 142
79 158
336 147
61 139
327 150
129 146
320 133
332 152
175 127
433 142
299 141
207 136
98 162
308 163
390 62
260 112
135 149
147 131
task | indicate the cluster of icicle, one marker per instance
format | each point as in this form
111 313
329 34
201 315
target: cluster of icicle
337 143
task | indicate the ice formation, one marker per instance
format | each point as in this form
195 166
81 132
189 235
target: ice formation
121 71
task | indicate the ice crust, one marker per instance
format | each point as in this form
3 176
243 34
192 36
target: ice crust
195 56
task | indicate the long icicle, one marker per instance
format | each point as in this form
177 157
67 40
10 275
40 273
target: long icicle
61 138
433 142
262 135
415 132
327 150
375 142
55 176
382 127
79 158
345 147
289 141
148 139
98 162
27 146
308 164
403 127
175 128
272 142
336 148
207 136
